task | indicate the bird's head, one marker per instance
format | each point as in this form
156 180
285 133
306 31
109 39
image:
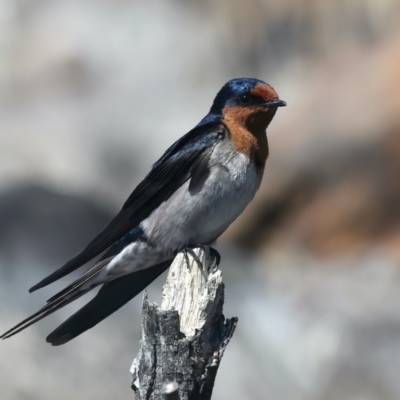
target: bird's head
247 101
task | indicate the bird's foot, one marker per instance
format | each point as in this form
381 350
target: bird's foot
209 253
190 250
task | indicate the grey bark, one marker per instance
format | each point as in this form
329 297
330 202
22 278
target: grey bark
184 340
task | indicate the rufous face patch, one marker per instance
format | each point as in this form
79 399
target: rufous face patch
265 91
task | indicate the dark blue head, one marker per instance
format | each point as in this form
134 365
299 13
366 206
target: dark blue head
245 92
248 101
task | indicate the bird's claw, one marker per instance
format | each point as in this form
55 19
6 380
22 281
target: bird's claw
209 253
189 250
215 256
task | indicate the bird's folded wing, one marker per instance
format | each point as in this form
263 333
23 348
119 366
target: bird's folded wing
166 176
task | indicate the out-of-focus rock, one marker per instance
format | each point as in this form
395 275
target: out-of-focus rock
46 226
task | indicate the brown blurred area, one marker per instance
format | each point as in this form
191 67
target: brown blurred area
93 91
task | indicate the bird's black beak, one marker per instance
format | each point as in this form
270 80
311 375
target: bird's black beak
275 103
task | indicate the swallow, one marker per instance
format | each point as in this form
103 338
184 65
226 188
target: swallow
198 187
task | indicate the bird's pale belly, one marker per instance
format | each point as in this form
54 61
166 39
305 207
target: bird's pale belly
200 217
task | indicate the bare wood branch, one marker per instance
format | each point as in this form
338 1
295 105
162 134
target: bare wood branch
183 340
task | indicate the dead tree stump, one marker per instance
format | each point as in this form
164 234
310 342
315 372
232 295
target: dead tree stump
183 340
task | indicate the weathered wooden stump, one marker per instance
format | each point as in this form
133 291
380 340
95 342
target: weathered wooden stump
184 340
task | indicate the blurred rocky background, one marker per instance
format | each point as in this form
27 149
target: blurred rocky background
93 91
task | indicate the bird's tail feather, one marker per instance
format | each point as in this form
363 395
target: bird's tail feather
48 309
109 299
61 299
90 273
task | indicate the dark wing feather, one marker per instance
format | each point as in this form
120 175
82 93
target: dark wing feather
110 298
48 309
165 177
200 169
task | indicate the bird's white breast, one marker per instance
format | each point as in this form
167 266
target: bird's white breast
200 216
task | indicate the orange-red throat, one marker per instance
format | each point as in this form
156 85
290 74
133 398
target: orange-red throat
248 123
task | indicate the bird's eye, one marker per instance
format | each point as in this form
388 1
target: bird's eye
245 99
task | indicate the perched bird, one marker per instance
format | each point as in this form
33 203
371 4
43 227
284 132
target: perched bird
200 185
